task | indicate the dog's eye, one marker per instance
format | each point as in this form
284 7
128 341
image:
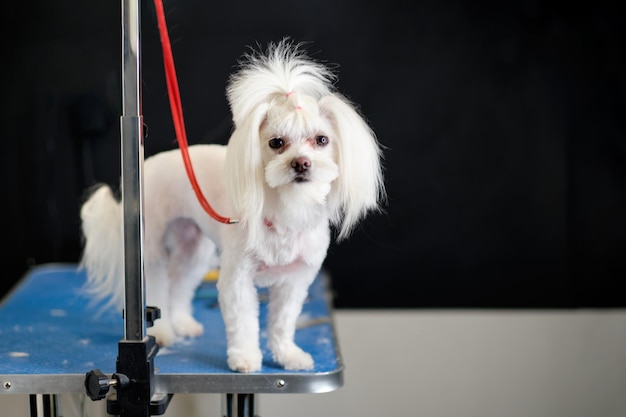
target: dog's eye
276 143
321 140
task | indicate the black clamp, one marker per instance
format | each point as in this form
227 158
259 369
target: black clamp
152 314
133 380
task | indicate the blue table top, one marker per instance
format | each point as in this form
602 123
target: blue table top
50 336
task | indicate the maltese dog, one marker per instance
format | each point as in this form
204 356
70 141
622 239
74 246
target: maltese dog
301 162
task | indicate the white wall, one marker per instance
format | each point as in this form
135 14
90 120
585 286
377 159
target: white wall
451 363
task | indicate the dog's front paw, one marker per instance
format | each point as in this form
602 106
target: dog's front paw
187 326
245 360
292 358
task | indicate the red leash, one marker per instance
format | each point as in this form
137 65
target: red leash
177 112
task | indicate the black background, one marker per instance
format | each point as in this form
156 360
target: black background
504 124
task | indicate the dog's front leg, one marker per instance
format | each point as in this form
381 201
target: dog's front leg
285 306
239 305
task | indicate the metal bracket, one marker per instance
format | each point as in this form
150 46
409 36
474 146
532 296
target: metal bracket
134 379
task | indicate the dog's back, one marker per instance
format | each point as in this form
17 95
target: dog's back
167 196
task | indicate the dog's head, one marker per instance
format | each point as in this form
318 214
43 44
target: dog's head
298 141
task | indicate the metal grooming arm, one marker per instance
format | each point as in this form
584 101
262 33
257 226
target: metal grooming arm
134 377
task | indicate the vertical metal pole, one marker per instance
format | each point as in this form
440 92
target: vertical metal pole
135 360
132 171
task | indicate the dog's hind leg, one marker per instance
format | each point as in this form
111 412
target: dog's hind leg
190 256
157 294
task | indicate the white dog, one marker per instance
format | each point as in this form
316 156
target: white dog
300 161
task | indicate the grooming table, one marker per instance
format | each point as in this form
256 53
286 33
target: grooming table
50 336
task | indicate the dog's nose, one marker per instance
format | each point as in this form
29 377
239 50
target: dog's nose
301 164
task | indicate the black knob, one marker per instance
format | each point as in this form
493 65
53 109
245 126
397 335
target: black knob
96 384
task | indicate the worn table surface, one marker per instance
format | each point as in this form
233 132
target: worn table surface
50 336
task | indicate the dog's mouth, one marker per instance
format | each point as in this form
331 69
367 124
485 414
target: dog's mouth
301 178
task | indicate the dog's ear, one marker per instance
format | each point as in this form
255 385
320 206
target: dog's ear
359 187
244 167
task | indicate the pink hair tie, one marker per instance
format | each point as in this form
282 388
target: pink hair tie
287 97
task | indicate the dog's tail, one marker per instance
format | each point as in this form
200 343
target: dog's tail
103 257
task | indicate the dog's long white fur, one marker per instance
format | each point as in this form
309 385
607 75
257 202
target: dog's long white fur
300 160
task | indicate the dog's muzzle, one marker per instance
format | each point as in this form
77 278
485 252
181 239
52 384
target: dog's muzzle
301 166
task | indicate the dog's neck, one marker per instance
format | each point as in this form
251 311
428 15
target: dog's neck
288 231
281 213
